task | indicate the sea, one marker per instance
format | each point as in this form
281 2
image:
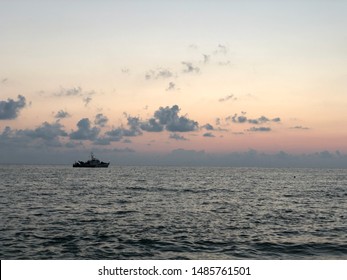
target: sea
169 213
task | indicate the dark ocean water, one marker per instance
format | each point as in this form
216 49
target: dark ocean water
60 212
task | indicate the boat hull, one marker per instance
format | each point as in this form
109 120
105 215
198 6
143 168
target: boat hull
101 165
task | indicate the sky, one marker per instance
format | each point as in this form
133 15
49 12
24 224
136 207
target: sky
234 83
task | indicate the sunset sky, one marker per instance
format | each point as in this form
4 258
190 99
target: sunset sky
134 80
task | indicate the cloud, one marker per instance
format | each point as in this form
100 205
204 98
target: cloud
76 91
206 58
243 119
45 135
4 81
84 131
299 127
229 97
62 114
259 129
10 109
208 134
169 118
46 131
152 125
100 120
193 47
125 70
125 150
164 119
177 137
171 86
237 119
221 49
190 68
260 120
208 126
87 100
160 73
224 63
133 130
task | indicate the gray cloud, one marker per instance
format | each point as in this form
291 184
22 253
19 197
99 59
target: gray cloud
206 58
229 97
100 120
190 68
164 118
299 127
169 118
171 86
134 124
177 137
125 70
46 131
10 109
76 91
85 131
45 135
208 126
152 125
117 134
260 120
221 49
87 100
208 134
259 129
62 114
237 119
160 73
243 119
102 141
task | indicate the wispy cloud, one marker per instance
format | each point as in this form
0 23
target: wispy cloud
62 114
259 129
300 127
76 91
171 86
221 49
229 97
206 58
190 68
243 119
160 73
